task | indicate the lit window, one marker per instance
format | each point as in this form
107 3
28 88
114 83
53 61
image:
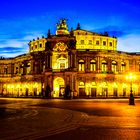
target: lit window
123 67
81 83
114 66
81 65
97 42
28 68
104 43
90 42
82 41
104 66
92 65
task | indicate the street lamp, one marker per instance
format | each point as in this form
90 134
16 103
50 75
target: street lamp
131 77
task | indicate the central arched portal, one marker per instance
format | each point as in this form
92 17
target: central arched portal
59 87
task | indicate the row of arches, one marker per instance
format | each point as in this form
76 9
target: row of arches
106 89
104 65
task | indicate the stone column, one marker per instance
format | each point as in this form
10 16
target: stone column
98 64
46 60
32 66
109 65
49 60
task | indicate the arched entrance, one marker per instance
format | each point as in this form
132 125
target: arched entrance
59 87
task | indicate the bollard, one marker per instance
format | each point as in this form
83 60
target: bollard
131 100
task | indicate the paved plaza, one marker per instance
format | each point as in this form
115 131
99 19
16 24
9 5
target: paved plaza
50 119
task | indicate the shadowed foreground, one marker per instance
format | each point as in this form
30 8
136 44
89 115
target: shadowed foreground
69 119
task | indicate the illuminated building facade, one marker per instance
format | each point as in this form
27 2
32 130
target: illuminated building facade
83 62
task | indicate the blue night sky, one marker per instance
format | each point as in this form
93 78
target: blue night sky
25 20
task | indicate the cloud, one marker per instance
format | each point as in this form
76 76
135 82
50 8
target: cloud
13 43
14 47
130 42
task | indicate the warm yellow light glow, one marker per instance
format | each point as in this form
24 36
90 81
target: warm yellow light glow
58 83
124 85
81 84
115 85
131 76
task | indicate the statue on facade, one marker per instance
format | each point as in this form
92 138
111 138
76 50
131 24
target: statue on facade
62 27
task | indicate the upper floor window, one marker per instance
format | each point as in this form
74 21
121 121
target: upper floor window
123 66
40 45
28 68
104 43
110 43
104 66
82 42
114 66
97 42
92 65
35 46
90 42
81 83
81 65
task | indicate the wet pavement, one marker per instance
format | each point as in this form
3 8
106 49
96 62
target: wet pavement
105 119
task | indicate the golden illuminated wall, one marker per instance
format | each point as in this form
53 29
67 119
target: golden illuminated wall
108 69
89 40
120 87
37 45
22 89
60 56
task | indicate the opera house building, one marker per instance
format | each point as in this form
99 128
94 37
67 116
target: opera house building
76 63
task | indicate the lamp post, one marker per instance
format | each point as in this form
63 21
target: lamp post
131 77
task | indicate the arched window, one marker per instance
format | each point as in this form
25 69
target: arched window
104 66
81 65
28 68
81 83
92 65
114 66
123 66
